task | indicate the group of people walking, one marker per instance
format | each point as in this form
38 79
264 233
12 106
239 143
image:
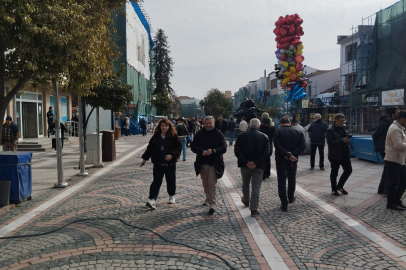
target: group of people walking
254 147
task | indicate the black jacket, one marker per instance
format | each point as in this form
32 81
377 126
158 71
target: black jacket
336 146
317 132
205 140
143 123
154 150
287 139
222 127
302 121
182 130
379 136
231 126
270 132
252 145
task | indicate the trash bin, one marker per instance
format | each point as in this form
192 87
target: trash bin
16 168
4 193
108 145
117 132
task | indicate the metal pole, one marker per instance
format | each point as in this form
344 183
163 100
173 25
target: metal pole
99 163
61 183
81 140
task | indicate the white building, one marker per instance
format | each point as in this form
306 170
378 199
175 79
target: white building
184 100
321 81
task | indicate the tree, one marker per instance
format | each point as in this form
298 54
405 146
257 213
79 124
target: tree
163 63
216 103
163 103
70 41
176 108
111 94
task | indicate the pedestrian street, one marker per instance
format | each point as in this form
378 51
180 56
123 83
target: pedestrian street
319 231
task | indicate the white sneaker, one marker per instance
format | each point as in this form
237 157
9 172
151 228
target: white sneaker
171 199
151 204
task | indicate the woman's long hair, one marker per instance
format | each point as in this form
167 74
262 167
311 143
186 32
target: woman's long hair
171 130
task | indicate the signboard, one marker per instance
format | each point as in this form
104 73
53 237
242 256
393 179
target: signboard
393 97
370 99
305 104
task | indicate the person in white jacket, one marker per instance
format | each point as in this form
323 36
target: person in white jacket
395 149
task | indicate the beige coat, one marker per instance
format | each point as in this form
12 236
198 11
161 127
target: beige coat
395 145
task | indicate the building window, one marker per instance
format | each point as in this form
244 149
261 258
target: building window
350 52
274 83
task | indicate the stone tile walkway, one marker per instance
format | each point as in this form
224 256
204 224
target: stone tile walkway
320 231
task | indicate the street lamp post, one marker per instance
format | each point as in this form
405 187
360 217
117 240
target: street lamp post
59 165
81 141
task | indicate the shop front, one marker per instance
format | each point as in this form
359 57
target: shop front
29 113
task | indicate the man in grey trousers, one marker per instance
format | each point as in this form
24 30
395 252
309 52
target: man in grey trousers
252 148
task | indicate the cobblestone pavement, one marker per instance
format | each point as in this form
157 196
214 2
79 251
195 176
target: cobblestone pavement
306 237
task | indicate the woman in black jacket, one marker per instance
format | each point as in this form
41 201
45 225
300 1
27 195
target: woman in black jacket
268 129
164 149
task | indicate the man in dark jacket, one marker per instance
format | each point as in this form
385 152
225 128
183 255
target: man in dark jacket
143 126
10 135
230 131
252 149
379 138
268 129
304 121
221 124
50 119
317 134
338 141
289 143
209 145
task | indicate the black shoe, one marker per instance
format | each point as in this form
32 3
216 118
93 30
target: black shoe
247 204
335 193
322 169
184 159
292 200
401 205
395 207
284 207
342 191
380 192
311 168
211 211
254 213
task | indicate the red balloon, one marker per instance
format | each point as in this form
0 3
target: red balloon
276 31
299 31
292 29
280 21
296 42
298 22
284 31
290 20
304 84
284 57
287 39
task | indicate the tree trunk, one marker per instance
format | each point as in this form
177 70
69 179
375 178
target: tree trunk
87 120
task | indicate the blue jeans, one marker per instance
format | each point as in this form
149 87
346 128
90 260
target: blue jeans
184 142
230 136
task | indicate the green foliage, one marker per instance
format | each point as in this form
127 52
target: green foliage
163 63
163 103
216 103
111 94
64 39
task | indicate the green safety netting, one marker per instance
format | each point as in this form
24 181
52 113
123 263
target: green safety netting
189 110
388 55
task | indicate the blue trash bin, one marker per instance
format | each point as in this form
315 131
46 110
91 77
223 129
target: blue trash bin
16 167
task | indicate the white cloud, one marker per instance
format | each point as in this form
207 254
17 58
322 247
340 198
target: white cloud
227 43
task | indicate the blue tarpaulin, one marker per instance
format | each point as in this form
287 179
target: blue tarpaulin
16 167
144 22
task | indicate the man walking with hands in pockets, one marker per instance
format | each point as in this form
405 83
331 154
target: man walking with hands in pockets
252 148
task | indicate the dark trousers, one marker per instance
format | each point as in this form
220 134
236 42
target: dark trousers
345 162
383 185
267 171
285 168
313 154
396 176
49 128
158 173
144 131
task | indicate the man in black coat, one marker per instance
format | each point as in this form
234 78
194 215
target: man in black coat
338 141
317 134
209 145
379 138
252 149
289 143
143 126
221 124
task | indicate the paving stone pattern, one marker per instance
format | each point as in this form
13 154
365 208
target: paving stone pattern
310 237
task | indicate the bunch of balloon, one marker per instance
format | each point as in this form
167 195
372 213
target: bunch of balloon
289 69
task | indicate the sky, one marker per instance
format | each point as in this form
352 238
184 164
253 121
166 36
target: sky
225 44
